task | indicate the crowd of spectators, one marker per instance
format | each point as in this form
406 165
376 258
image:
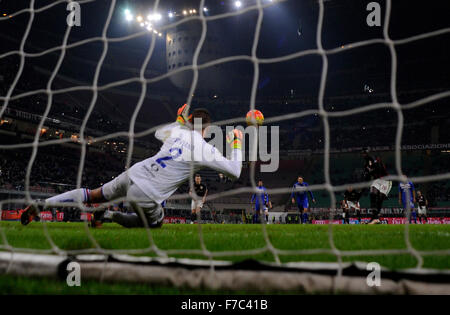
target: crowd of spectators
55 168
67 109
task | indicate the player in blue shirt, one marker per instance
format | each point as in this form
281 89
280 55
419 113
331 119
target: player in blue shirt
403 199
262 202
300 195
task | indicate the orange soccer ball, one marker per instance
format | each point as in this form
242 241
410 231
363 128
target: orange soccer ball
254 117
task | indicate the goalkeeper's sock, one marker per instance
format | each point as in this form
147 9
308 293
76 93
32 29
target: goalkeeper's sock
77 195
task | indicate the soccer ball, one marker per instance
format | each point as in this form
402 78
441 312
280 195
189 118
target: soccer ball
254 117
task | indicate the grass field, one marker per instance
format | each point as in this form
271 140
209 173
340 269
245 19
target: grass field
220 238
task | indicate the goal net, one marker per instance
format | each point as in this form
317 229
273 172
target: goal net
83 94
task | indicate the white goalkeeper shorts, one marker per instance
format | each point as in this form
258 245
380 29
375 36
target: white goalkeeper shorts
122 187
354 205
384 186
422 210
196 204
117 188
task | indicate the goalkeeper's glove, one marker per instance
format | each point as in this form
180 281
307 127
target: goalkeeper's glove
182 115
234 139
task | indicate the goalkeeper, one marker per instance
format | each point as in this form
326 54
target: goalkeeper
148 183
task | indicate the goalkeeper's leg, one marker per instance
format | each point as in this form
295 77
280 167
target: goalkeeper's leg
147 212
114 189
81 195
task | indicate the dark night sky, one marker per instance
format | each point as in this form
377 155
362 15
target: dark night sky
423 61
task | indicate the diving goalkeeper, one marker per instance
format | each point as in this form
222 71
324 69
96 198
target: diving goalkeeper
148 183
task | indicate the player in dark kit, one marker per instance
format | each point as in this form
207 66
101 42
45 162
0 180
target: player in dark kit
351 201
197 202
422 208
375 170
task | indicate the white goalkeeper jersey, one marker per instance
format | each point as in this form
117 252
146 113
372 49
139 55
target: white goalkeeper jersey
160 176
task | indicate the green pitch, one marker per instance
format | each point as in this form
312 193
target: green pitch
222 237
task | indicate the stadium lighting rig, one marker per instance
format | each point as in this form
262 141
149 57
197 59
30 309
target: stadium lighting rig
183 12
149 20
147 23
156 18
128 15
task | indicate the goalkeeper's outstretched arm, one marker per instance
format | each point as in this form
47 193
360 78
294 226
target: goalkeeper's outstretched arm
212 158
230 167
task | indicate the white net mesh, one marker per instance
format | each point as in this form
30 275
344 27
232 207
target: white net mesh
141 79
